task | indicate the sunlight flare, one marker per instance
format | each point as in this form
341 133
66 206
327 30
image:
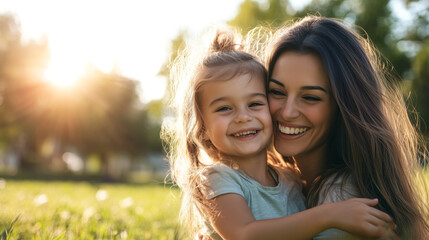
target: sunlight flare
63 74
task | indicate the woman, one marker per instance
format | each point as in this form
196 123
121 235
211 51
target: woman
342 121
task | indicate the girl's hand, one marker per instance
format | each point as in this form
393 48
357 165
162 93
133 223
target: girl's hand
358 216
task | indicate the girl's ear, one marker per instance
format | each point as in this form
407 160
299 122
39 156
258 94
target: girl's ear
206 140
204 135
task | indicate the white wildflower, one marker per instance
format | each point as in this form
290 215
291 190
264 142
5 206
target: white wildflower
87 213
65 214
40 199
124 235
2 183
101 195
127 202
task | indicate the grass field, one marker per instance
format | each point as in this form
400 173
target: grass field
82 210
56 210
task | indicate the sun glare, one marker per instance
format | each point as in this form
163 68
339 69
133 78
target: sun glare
62 75
132 44
68 64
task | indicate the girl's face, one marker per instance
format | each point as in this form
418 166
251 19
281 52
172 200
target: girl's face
301 104
236 116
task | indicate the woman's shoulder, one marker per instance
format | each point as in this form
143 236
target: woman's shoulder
337 187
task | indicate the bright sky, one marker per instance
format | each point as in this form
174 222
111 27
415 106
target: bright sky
131 34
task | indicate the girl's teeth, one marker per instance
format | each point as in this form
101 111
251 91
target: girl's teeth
291 131
245 133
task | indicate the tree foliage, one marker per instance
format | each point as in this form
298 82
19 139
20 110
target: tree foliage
101 114
421 85
252 14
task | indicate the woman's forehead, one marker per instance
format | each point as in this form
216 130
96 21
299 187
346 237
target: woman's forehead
300 69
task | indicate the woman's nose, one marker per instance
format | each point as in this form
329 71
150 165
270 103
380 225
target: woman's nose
290 110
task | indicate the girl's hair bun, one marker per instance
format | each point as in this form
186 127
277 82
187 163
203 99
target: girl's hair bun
225 41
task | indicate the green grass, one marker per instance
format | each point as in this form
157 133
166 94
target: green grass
57 210
81 210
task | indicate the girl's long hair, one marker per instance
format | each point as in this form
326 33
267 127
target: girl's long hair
189 151
374 143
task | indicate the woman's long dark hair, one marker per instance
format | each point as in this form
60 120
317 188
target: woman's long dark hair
374 143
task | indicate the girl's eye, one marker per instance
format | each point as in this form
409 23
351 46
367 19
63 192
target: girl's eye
256 104
275 92
223 109
312 98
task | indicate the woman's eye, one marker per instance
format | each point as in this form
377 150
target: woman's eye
256 104
312 98
275 92
223 109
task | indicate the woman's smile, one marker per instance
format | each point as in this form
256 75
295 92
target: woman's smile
300 103
288 130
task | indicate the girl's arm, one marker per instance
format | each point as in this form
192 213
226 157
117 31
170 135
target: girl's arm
234 220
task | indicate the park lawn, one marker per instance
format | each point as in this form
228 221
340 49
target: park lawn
83 210
55 210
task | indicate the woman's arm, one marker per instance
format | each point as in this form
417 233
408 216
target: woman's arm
234 220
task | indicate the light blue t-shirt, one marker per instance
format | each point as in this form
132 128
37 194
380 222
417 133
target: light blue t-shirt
265 202
337 192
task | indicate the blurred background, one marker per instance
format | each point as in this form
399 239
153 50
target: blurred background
82 82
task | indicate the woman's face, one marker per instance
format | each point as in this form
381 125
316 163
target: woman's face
301 104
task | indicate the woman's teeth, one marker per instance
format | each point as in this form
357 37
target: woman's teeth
245 133
294 131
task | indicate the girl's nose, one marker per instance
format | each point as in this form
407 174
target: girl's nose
242 116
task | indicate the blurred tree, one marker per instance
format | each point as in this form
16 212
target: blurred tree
417 38
154 110
249 16
375 18
21 68
101 114
418 32
421 86
329 8
253 13
177 45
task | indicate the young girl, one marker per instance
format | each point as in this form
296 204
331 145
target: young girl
219 157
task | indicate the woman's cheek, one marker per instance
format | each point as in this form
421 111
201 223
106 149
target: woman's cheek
274 107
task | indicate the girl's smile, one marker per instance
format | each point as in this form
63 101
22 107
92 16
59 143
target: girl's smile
236 116
245 134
